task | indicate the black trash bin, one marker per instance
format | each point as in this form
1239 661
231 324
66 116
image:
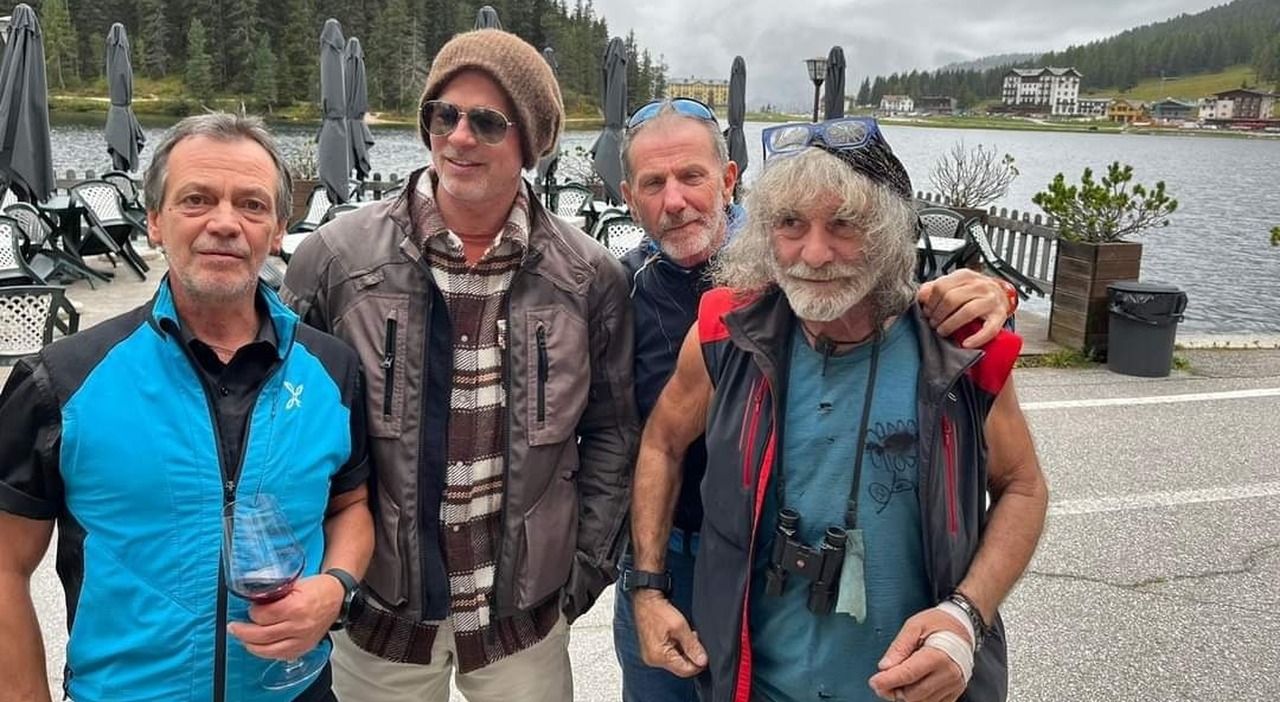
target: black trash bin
1143 322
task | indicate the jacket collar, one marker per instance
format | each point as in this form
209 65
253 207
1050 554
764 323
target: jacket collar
163 315
548 253
763 327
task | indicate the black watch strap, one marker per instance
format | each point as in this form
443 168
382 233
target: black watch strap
350 586
970 609
633 580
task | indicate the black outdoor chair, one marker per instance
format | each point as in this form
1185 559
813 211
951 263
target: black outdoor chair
109 231
977 235
42 251
130 196
318 205
570 199
28 318
16 265
942 223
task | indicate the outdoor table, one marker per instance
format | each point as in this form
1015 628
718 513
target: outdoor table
67 216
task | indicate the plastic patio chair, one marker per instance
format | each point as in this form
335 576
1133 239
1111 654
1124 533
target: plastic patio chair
130 196
110 231
978 236
15 267
42 251
570 199
28 318
619 234
318 205
941 223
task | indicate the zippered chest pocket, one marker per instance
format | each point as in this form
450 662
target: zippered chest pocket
377 328
558 372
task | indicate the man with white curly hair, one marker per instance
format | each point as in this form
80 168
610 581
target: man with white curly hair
871 491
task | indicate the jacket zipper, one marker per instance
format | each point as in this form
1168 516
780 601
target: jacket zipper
506 452
542 373
949 455
388 368
229 485
753 416
742 687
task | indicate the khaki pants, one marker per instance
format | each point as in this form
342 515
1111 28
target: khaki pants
540 673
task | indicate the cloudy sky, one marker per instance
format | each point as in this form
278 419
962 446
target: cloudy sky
701 37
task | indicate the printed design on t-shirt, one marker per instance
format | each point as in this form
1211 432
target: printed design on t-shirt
891 451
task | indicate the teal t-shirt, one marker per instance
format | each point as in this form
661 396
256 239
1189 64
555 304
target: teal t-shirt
798 655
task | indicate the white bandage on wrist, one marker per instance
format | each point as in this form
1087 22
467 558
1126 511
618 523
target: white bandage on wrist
956 648
959 614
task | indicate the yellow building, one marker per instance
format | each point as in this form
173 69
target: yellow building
709 90
1126 111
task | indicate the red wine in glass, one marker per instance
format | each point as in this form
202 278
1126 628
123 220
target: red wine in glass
263 560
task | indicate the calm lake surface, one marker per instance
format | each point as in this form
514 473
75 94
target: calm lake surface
1216 248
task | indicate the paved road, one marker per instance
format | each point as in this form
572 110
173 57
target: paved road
1158 577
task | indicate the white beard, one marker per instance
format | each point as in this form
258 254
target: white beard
824 303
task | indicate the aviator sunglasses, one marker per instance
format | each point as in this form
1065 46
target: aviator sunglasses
840 133
439 118
682 105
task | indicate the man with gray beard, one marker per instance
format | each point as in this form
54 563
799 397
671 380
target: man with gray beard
678 182
871 491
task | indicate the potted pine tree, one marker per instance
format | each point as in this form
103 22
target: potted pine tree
1095 219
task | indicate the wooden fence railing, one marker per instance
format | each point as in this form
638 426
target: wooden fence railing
1027 242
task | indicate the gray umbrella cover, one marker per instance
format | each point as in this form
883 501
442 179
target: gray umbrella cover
26 152
357 106
833 99
124 134
737 114
334 152
546 165
487 18
606 153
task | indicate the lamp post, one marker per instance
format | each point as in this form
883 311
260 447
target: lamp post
817 73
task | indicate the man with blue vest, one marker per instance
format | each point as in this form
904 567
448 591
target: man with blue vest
847 548
135 435
678 182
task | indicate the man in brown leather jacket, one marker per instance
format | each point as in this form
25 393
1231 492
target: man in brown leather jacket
497 344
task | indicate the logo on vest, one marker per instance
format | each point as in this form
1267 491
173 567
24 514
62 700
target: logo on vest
295 396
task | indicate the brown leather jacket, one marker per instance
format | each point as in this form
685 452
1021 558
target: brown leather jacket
571 419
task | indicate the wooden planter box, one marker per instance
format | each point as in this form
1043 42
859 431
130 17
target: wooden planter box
1078 315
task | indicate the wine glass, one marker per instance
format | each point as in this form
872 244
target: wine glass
263 560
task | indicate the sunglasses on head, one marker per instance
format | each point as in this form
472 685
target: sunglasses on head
682 105
439 118
839 133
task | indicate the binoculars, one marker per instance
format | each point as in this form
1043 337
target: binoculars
819 565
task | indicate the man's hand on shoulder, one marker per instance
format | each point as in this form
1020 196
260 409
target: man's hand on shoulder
962 296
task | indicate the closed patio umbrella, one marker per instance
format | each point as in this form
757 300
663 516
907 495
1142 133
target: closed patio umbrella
357 105
606 154
334 153
487 18
124 134
833 100
26 152
737 114
547 164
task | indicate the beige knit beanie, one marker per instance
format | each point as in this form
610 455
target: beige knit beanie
522 74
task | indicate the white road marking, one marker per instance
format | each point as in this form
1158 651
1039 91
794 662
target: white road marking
1149 500
1153 399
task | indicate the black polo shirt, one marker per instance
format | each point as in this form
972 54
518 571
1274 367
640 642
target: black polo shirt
232 388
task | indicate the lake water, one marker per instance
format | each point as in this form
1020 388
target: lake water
1216 248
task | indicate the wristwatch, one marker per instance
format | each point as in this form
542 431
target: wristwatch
633 580
349 589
